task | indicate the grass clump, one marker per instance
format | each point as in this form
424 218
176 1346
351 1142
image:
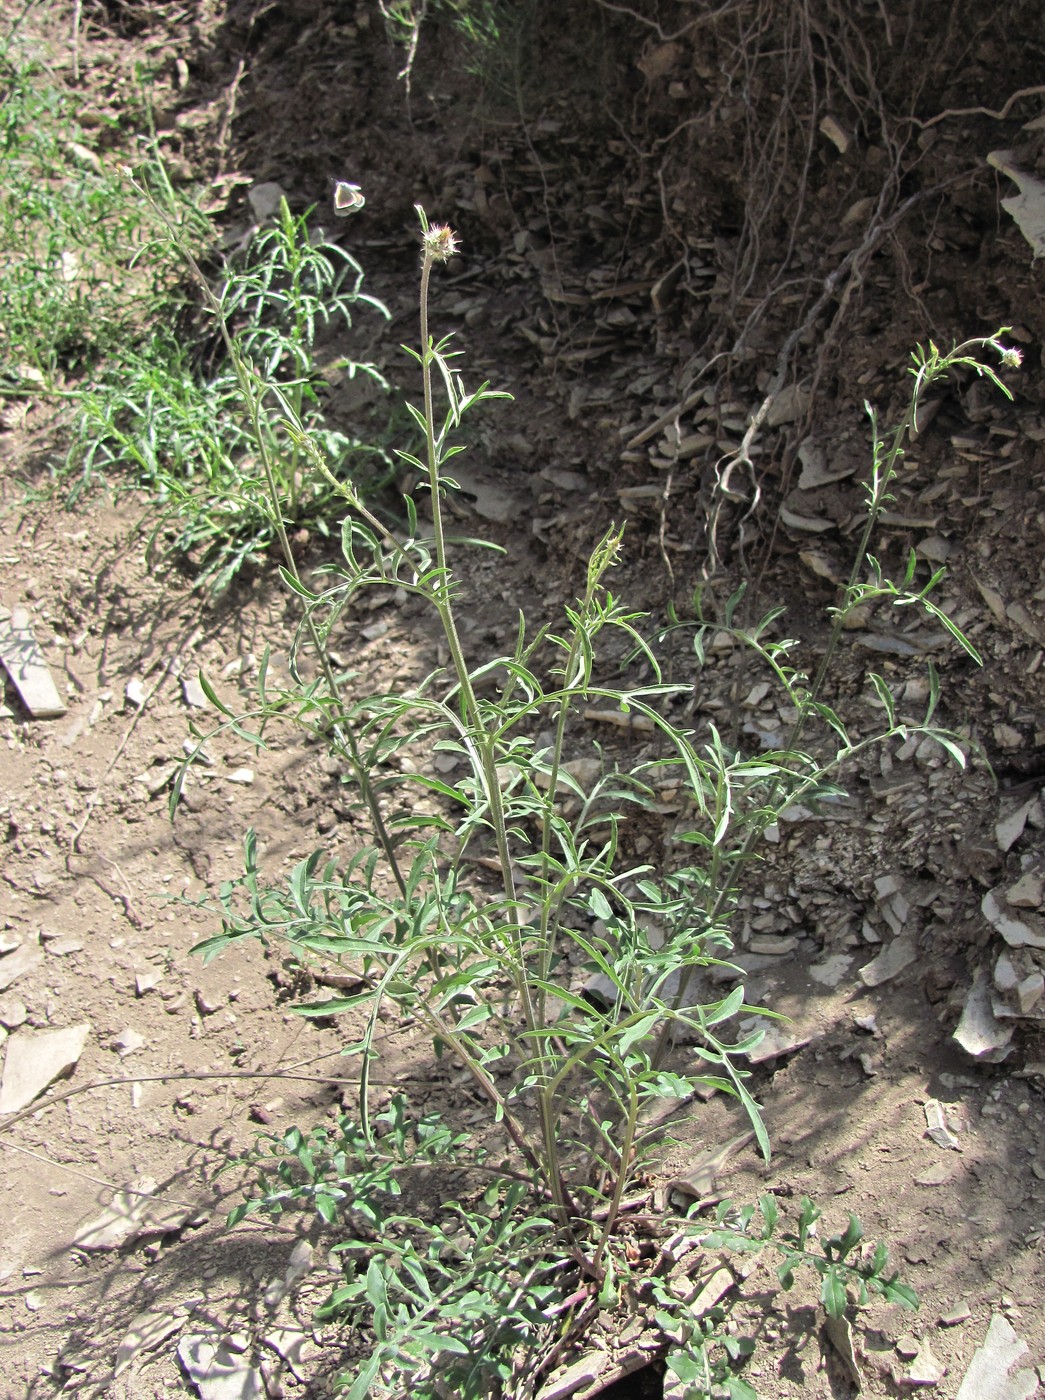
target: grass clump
574 993
70 239
496 39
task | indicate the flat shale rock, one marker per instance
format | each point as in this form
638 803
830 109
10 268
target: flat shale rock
18 963
34 1061
133 1214
990 1375
218 1372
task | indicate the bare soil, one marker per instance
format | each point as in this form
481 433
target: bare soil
613 280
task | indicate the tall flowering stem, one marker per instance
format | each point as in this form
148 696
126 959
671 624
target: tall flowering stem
439 243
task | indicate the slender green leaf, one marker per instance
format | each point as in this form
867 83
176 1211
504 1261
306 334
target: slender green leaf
949 746
726 1008
885 695
637 1030
296 586
474 1016
832 1292
738 1389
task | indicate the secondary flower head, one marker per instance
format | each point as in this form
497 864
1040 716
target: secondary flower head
439 242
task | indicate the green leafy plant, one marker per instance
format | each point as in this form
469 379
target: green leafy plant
430 1279
183 434
292 286
70 236
495 38
836 1260
93 311
566 989
703 1354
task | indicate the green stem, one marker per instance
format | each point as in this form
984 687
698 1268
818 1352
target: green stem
471 713
881 484
585 625
343 736
883 474
486 749
626 1148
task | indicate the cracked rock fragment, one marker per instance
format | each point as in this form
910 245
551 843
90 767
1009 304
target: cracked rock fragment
988 1376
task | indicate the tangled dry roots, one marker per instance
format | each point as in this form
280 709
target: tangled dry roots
833 109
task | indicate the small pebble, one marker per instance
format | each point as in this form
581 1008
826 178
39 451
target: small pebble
13 1013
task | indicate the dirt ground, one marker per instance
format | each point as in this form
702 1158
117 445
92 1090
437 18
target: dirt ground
612 279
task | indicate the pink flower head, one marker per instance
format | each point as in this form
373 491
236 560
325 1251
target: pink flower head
440 242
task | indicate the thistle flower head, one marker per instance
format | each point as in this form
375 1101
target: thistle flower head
1011 358
439 242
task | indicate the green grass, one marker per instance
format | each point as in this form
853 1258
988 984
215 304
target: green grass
71 235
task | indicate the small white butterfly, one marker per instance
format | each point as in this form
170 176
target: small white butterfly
347 199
